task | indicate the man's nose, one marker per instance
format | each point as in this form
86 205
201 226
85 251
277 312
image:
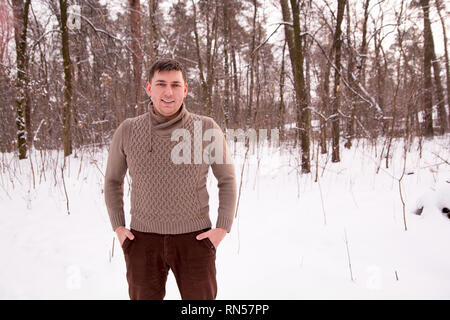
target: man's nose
168 91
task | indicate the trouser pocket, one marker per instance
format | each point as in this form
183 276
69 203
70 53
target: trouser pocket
210 244
125 245
206 242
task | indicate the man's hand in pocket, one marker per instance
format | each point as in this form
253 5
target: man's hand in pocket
123 233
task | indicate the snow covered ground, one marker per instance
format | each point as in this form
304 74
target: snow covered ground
341 238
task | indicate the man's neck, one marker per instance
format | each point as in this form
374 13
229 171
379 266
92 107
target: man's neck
173 116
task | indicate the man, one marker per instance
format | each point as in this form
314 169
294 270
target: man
170 226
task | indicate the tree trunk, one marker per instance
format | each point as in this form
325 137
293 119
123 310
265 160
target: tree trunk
377 40
282 79
427 59
67 110
200 62
257 74
153 48
236 87
252 63
20 12
294 41
211 53
136 52
441 6
325 101
6 28
350 66
361 64
363 50
335 157
440 103
226 41
206 82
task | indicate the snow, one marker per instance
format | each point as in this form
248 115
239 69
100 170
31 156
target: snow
279 247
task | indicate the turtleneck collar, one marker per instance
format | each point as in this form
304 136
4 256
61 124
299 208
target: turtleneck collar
161 126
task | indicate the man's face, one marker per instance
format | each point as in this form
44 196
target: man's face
167 91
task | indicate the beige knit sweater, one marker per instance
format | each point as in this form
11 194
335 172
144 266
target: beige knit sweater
166 198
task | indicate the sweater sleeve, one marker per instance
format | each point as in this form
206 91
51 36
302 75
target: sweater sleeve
114 178
225 174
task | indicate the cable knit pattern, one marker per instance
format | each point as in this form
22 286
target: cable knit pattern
166 198
173 196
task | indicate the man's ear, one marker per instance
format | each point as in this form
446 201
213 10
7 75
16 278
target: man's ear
185 90
148 89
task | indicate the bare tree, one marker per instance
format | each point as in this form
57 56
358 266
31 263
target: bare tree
439 90
67 109
233 28
211 52
153 48
356 70
427 61
325 98
226 67
350 69
337 43
303 112
5 30
136 54
252 62
440 6
363 48
20 12
293 38
282 107
8 132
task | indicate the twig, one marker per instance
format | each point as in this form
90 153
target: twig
240 183
381 156
239 194
81 162
317 162
348 255
441 158
96 165
432 165
265 41
112 251
400 189
32 168
323 206
65 190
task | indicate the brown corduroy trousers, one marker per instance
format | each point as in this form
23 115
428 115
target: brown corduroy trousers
150 256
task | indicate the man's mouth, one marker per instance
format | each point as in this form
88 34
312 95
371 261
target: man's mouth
167 101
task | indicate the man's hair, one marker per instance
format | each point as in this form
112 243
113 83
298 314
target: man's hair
166 65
